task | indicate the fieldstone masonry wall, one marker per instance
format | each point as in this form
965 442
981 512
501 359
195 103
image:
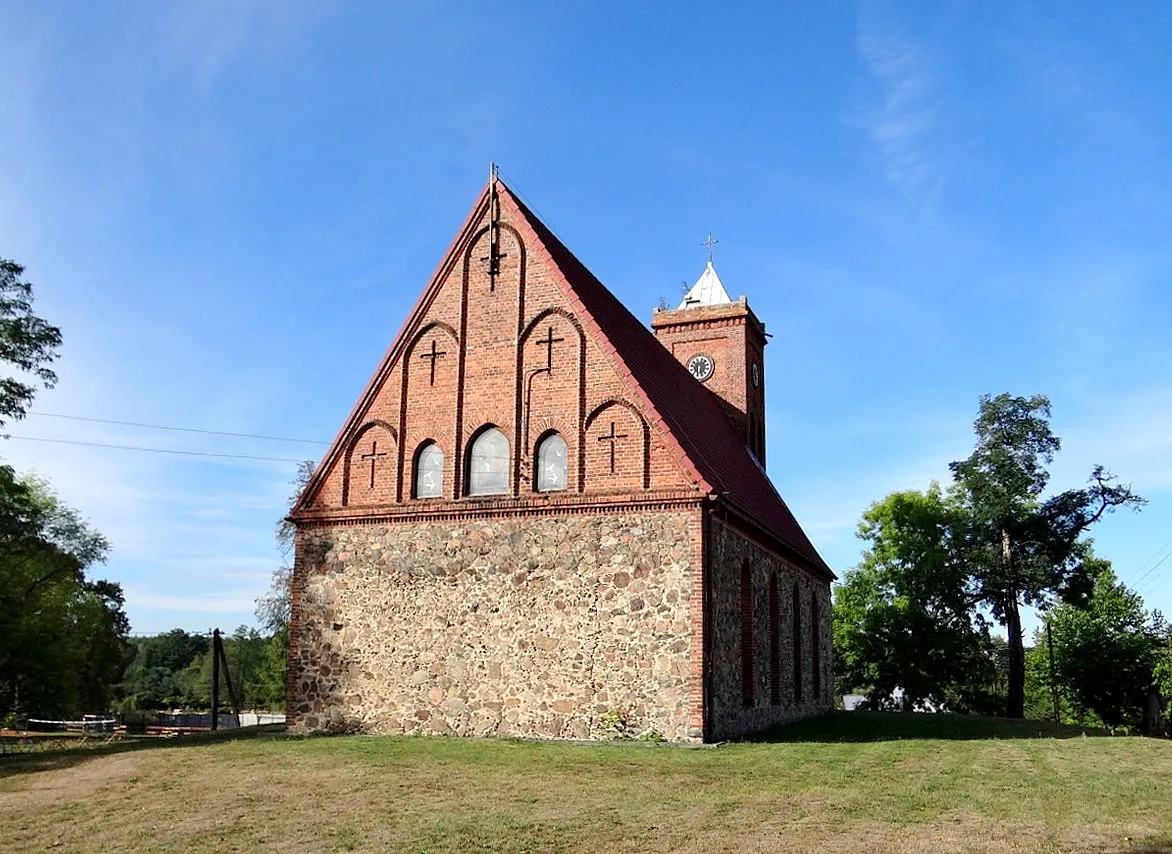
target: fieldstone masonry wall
729 712
509 626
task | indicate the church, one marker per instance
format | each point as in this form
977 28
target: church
542 517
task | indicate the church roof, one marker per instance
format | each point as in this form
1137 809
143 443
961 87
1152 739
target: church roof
689 412
708 290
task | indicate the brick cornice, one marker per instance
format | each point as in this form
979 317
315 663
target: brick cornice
707 317
502 507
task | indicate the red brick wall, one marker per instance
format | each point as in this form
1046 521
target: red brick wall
489 337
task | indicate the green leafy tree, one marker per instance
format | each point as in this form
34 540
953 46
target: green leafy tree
62 636
903 619
27 343
1107 651
1019 547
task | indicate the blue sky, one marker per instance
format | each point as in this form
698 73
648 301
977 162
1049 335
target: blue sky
229 207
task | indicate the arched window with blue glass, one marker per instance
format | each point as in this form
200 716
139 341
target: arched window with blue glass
551 463
488 463
429 471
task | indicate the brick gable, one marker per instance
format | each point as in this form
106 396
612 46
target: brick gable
506 346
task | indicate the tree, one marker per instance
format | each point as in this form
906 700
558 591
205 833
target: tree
1106 652
165 671
62 636
1018 548
903 619
27 343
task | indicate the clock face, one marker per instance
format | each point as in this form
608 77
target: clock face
701 366
755 374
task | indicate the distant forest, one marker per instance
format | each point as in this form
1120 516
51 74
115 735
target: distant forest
174 670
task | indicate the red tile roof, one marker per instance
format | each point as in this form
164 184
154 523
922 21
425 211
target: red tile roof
688 411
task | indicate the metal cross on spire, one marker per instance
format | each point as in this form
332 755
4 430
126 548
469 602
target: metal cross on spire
709 243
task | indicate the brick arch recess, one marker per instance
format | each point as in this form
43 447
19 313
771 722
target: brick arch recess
645 430
359 435
475 276
401 484
529 369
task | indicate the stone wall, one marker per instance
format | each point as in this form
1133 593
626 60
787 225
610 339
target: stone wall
731 710
506 626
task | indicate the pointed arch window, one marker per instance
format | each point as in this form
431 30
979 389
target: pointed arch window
429 471
748 676
551 463
774 640
488 463
797 603
815 647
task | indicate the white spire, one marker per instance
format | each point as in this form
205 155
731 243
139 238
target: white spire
708 290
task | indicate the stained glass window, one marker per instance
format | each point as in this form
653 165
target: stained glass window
488 464
551 463
429 471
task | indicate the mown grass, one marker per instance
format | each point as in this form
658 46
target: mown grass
860 782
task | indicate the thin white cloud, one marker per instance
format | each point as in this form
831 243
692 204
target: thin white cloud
900 126
191 604
913 134
212 35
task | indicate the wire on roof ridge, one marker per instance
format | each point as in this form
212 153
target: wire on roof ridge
517 192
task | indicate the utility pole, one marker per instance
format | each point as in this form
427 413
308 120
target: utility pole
216 679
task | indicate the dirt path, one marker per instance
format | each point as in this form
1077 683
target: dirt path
62 783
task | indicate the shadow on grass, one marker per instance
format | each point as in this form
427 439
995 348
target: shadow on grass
13 764
901 726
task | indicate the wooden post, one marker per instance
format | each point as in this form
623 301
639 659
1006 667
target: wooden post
232 695
216 679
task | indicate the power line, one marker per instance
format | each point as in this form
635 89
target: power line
1150 571
1144 565
156 450
180 429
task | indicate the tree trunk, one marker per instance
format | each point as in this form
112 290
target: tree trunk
1015 702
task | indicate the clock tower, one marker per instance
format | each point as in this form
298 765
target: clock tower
722 344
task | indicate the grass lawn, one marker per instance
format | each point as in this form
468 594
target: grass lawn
855 782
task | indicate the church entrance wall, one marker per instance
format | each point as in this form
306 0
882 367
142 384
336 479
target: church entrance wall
497 626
